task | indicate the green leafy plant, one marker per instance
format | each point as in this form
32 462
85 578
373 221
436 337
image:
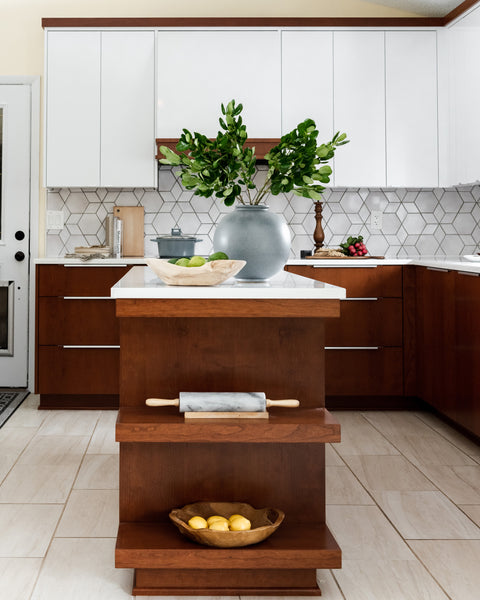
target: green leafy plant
224 167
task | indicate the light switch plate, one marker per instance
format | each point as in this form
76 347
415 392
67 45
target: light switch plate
54 219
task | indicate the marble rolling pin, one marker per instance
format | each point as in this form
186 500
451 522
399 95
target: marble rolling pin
222 404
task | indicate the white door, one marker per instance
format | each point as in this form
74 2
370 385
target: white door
14 233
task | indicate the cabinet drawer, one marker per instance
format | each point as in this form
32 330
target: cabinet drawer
76 321
376 322
60 280
366 282
78 370
375 372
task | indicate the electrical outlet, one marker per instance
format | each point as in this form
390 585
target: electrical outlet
376 219
54 219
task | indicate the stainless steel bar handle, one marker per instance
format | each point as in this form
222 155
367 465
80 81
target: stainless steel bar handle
95 265
352 347
87 297
87 346
347 299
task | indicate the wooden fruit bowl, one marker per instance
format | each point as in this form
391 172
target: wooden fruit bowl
211 273
264 522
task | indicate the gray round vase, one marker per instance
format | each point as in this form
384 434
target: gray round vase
257 235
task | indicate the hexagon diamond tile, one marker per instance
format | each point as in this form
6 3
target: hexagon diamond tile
416 221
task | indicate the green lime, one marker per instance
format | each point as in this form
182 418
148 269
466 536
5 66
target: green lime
196 261
183 262
217 256
173 260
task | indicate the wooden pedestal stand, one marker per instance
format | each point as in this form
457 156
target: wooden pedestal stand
168 346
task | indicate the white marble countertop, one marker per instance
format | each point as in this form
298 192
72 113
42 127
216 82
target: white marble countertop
454 263
141 282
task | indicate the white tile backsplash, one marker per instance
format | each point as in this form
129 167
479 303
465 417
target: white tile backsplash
437 221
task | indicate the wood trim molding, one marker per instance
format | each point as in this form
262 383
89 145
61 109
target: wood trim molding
456 12
261 145
248 21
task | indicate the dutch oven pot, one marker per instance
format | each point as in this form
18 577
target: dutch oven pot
175 245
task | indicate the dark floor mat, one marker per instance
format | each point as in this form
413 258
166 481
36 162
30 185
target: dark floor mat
10 400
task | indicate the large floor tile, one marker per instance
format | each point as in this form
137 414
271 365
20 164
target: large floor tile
363 533
473 512
82 569
387 580
460 484
90 513
342 487
328 585
98 472
69 422
27 414
54 450
360 437
332 458
391 423
27 529
383 473
38 484
17 577
12 443
103 438
452 435
426 515
453 563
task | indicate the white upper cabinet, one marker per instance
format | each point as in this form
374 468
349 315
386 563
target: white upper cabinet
411 108
199 70
307 80
72 100
464 86
128 109
359 107
100 109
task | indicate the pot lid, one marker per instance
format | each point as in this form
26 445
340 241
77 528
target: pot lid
176 234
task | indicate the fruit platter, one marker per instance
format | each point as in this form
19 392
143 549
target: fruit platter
226 524
196 270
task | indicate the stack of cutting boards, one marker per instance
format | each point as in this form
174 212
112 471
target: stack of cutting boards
133 229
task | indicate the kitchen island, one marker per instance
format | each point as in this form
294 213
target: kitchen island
232 337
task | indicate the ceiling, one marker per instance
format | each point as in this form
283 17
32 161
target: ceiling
424 8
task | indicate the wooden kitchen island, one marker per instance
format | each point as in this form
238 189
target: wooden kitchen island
232 337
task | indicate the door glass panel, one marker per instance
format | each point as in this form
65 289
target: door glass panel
6 318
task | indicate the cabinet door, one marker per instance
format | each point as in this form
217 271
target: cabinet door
199 70
72 102
411 105
464 88
435 338
307 56
467 351
127 108
359 107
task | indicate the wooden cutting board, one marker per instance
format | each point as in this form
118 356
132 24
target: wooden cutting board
133 229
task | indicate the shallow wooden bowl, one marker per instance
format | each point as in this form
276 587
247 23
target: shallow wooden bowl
211 273
264 522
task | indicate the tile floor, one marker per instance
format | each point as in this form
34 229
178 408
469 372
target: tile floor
403 496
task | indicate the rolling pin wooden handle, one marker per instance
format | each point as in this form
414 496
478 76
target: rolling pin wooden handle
288 402
162 401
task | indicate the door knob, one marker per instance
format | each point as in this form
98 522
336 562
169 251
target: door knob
19 255
19 235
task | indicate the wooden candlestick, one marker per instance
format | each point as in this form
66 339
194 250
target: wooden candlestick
318 234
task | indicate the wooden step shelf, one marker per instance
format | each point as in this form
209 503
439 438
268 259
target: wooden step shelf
162 546
285 425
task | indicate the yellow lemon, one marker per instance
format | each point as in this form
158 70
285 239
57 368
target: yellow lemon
234 517
240 524
197 523
214 518
219 525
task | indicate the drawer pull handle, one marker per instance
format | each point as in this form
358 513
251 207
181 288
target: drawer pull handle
370 299
437 269
352 347
349 266
468 273
84 347
84 265
87 297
